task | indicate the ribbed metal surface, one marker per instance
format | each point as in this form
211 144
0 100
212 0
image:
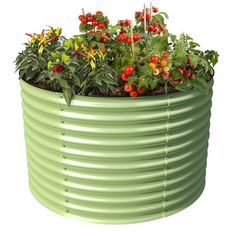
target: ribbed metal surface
116 160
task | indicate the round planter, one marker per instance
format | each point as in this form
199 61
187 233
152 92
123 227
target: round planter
116 160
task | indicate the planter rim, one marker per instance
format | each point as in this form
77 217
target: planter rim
50 94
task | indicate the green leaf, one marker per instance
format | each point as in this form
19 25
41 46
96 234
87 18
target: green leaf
185 86
204 64
194 59
43 75
63 83
201 85
82 27
23 66
165 14
212 57
159 44
176 74
67 95
153 84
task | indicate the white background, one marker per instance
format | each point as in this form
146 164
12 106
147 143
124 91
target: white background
212 24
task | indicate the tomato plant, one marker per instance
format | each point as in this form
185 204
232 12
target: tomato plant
124 59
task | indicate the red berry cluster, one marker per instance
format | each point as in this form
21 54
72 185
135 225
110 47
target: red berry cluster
155 27
152 25
127 39
93 20
186 73
131 89
98 22
157 64
124 22
58 69
124 37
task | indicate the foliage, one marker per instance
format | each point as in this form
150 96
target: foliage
138 59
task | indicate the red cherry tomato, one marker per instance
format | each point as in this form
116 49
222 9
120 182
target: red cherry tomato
122 31
181 70
99 13
141 19
155 9
128 88
141 90
123 38
166 74
129 40
137 37
133 93
129 70
188 60
165 55
102 25
148 16
84 20
127 22
154 59
188 74
150 28
95 23
175 82
104 40
124 76
156 30
81 17
90 18
122 23
160 69
161 26
154 23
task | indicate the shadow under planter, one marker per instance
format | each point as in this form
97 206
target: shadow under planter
116 159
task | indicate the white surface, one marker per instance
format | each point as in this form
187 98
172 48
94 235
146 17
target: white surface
212 24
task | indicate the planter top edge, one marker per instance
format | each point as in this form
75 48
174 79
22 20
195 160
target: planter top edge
57 97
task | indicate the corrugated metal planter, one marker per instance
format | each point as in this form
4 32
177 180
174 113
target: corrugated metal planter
116 160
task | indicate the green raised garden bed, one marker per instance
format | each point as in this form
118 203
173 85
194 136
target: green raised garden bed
116 160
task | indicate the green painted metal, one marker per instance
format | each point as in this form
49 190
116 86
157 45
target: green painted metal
116 160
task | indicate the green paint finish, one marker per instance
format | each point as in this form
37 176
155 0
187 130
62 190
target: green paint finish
116 160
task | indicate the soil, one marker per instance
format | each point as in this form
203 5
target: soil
116 93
